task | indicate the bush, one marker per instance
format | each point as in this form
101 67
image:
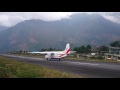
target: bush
93 57
100 57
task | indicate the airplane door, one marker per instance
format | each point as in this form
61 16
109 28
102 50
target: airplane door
52 55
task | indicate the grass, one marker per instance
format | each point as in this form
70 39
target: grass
15 69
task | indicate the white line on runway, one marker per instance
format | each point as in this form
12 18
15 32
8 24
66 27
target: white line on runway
79 63
41 59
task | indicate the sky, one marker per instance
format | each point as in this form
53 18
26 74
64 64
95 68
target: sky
9 19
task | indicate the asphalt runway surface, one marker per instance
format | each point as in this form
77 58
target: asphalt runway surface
84 68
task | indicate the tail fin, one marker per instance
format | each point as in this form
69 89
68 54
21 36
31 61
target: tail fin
67 49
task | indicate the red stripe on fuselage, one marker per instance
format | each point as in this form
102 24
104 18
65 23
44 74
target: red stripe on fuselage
65 53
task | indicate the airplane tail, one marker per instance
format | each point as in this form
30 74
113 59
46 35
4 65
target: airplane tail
67 49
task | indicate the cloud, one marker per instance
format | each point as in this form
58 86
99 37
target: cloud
12 18
112 16
9 20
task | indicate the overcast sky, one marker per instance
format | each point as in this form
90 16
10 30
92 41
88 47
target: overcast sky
11 18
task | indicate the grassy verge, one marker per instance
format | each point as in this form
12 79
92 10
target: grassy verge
14 69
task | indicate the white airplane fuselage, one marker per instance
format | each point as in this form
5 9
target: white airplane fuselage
56 54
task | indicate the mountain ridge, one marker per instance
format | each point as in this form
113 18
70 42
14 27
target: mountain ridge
79 29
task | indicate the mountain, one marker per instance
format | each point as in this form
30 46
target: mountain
80 29
3 28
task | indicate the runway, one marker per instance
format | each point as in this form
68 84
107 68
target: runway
84 68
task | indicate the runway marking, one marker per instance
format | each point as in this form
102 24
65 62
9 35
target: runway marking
41 59
79 63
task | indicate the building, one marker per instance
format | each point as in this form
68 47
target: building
95 51
114 53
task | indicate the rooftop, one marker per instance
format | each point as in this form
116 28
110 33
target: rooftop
118 48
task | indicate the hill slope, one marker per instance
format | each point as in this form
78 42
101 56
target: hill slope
3 28
80 29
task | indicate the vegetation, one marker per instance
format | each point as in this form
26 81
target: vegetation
115 43
87 49
83 49
13 69
103 48
49 49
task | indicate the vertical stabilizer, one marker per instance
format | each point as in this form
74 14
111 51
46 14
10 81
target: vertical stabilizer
67 49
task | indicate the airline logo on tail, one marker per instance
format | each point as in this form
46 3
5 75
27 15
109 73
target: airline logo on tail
66 51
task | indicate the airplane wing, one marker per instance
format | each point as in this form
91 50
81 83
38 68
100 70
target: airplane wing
66 51
47 52
38 52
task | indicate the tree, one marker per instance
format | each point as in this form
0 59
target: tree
20 51
88 49
115 44
42 49
75 49
50 49
103 48
81 49
24 52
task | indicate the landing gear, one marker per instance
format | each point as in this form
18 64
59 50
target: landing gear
59 59
49 59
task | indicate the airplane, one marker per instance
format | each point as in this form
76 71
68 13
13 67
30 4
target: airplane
56 54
